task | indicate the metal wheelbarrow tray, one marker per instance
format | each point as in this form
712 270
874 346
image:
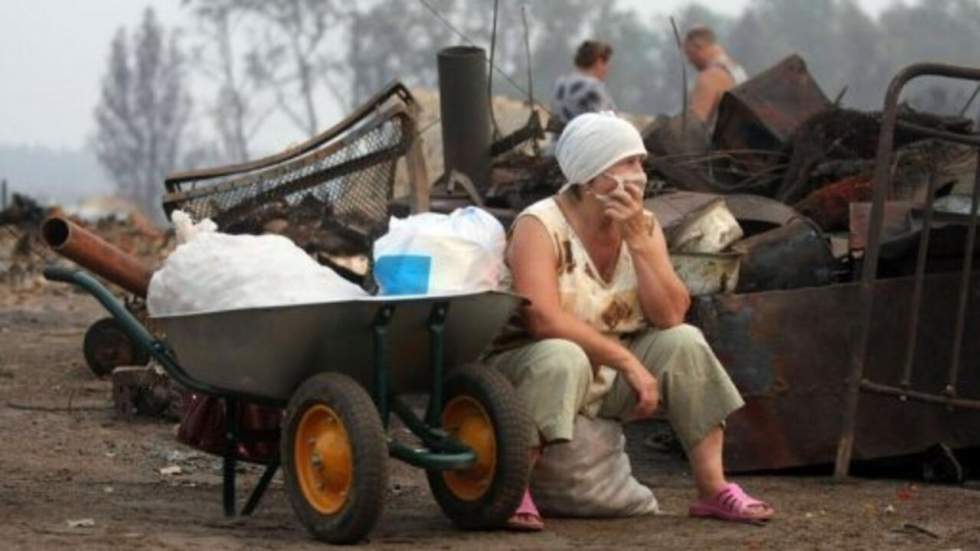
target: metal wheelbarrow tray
265 353
340 369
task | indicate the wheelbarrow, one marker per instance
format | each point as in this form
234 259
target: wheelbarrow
340 369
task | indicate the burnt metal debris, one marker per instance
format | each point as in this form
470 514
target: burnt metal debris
957 389
21 211
333 194
777 136
810 333
789 352
764 112
792 256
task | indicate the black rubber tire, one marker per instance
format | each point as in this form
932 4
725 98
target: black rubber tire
108 332
357 412
512 428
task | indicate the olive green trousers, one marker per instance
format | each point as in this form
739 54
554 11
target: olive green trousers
556 381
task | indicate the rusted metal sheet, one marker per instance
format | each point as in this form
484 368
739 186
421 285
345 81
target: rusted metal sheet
829 206
91 251
789 353
755 213
764 111
789 257
677 135
896 220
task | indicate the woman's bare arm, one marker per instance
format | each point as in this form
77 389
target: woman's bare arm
663 296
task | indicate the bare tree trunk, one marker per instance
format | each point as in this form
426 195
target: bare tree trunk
235 138
142 114
303 67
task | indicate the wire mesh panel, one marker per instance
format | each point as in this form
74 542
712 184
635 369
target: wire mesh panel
345 182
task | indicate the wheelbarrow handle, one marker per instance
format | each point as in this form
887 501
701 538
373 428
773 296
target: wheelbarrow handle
138 333
132 326
129 323
59 274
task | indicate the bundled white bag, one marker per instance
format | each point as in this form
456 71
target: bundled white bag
590 476
434 253
212 271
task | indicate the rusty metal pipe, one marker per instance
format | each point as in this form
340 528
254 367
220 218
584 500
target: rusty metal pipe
906 394
971 236
95 254
920 271
465 114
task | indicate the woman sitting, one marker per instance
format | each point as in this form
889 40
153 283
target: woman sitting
604 333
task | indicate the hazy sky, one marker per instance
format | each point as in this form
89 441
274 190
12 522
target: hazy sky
53 54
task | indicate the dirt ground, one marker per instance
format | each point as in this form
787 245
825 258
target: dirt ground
64 457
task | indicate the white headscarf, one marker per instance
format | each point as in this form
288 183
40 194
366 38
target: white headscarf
593 142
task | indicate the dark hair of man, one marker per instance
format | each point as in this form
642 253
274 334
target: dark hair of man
591 51
700 34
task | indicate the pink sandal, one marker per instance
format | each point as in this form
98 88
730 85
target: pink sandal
732 503
526 518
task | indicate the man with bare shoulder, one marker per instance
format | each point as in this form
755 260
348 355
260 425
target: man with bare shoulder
717 73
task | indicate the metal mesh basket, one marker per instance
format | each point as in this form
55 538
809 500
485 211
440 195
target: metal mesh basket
350 178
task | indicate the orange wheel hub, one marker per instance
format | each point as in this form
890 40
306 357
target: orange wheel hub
323 459
466 420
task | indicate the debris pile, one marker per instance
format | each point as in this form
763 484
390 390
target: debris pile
312 224
779 140
23 253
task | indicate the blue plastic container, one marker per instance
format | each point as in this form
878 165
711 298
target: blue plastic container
405 274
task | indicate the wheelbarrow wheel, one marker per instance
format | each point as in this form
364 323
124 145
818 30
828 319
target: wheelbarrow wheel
482 411
106 346
334 458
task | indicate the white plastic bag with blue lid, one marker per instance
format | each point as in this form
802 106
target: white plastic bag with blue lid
432 254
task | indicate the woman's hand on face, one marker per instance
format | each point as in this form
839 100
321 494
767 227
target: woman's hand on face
623 202
625 206
647 391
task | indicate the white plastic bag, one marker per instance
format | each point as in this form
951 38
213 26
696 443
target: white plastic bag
212 271
590 476
434 253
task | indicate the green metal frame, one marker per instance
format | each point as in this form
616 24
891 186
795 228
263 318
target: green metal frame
166 358
440 451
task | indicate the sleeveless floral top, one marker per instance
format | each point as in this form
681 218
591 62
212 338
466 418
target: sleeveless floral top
611 307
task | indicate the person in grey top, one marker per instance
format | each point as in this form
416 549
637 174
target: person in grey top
583 90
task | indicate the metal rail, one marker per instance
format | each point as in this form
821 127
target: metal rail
881 188
377 101
394 103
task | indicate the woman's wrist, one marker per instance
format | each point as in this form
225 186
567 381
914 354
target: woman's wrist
638 242
637 233
628 363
